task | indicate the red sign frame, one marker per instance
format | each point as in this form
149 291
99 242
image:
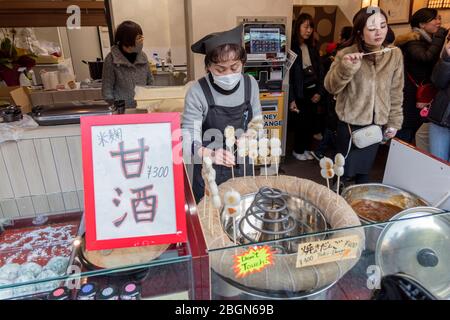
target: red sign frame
92 243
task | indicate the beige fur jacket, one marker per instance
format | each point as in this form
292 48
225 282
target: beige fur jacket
365 89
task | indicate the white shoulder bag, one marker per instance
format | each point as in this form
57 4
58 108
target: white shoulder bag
365 137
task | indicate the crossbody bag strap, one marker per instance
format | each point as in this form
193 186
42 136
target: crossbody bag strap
350 140
412 79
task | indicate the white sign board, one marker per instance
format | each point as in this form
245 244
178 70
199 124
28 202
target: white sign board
415 171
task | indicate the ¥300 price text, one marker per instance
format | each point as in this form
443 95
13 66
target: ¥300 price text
157 172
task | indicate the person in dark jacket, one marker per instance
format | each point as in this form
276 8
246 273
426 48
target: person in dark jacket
306 86
440 110
421 49
329 134
126 66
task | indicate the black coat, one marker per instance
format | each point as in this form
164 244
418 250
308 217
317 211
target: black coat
440 110
296 77
420 57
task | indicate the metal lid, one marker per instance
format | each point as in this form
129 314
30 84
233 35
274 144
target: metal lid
418 247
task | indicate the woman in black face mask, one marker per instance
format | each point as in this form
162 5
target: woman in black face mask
224 97
126 66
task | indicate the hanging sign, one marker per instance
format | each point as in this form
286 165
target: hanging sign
133 180
321 252
253 261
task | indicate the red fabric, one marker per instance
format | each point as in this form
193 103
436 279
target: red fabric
331 47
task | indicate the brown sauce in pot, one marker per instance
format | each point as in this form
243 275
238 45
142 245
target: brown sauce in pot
375 210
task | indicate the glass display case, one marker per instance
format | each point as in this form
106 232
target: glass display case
43 258
343 264
309 254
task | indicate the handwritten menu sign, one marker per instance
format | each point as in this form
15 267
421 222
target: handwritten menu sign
133 181
321 252
253 261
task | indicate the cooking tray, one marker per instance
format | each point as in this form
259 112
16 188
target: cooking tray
71 112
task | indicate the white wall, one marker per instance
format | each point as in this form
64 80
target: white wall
162 22
177 31
84 45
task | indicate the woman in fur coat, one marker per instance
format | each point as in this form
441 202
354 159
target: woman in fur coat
368 85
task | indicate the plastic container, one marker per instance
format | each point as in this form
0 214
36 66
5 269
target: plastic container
50 79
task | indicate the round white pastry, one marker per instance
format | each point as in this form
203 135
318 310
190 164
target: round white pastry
253 144
253 154
26 289
327 174
326 163
30 267
207 162
230 142
213 189
233 211
339 160
257 119
242 152
242 143
58 265
47 285
217 202
276 152
9 271
211 176
339 171
263 152
5 293
251 134
263 143
229 132
232 198
275 143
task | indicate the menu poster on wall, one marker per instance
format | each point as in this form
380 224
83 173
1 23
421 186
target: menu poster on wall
133 178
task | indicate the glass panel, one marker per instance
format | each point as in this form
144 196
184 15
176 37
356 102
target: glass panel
40 254
346 264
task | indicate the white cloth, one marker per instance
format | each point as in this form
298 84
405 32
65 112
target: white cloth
305 55
12 131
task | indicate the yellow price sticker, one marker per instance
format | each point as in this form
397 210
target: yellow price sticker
253 261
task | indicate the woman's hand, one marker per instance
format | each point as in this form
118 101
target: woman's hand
220 157
390 133
354 58
224 158
316 98
293 107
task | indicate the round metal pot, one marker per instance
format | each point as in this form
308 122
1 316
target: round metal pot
417 244
384 194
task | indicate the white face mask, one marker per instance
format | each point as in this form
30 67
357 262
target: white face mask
227 82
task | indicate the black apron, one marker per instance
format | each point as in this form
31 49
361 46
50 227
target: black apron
219 117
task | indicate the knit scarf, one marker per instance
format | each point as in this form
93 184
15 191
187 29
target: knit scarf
424 34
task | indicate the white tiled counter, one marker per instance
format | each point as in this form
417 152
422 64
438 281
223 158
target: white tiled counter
41 173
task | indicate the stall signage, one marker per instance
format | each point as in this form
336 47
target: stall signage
133 181
321 252
253 261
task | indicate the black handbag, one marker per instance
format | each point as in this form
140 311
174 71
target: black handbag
309 77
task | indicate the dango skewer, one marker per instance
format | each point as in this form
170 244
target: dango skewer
339 161
232 201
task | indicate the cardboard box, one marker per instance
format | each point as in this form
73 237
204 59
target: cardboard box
19 96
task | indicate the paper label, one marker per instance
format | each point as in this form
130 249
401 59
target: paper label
321 252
